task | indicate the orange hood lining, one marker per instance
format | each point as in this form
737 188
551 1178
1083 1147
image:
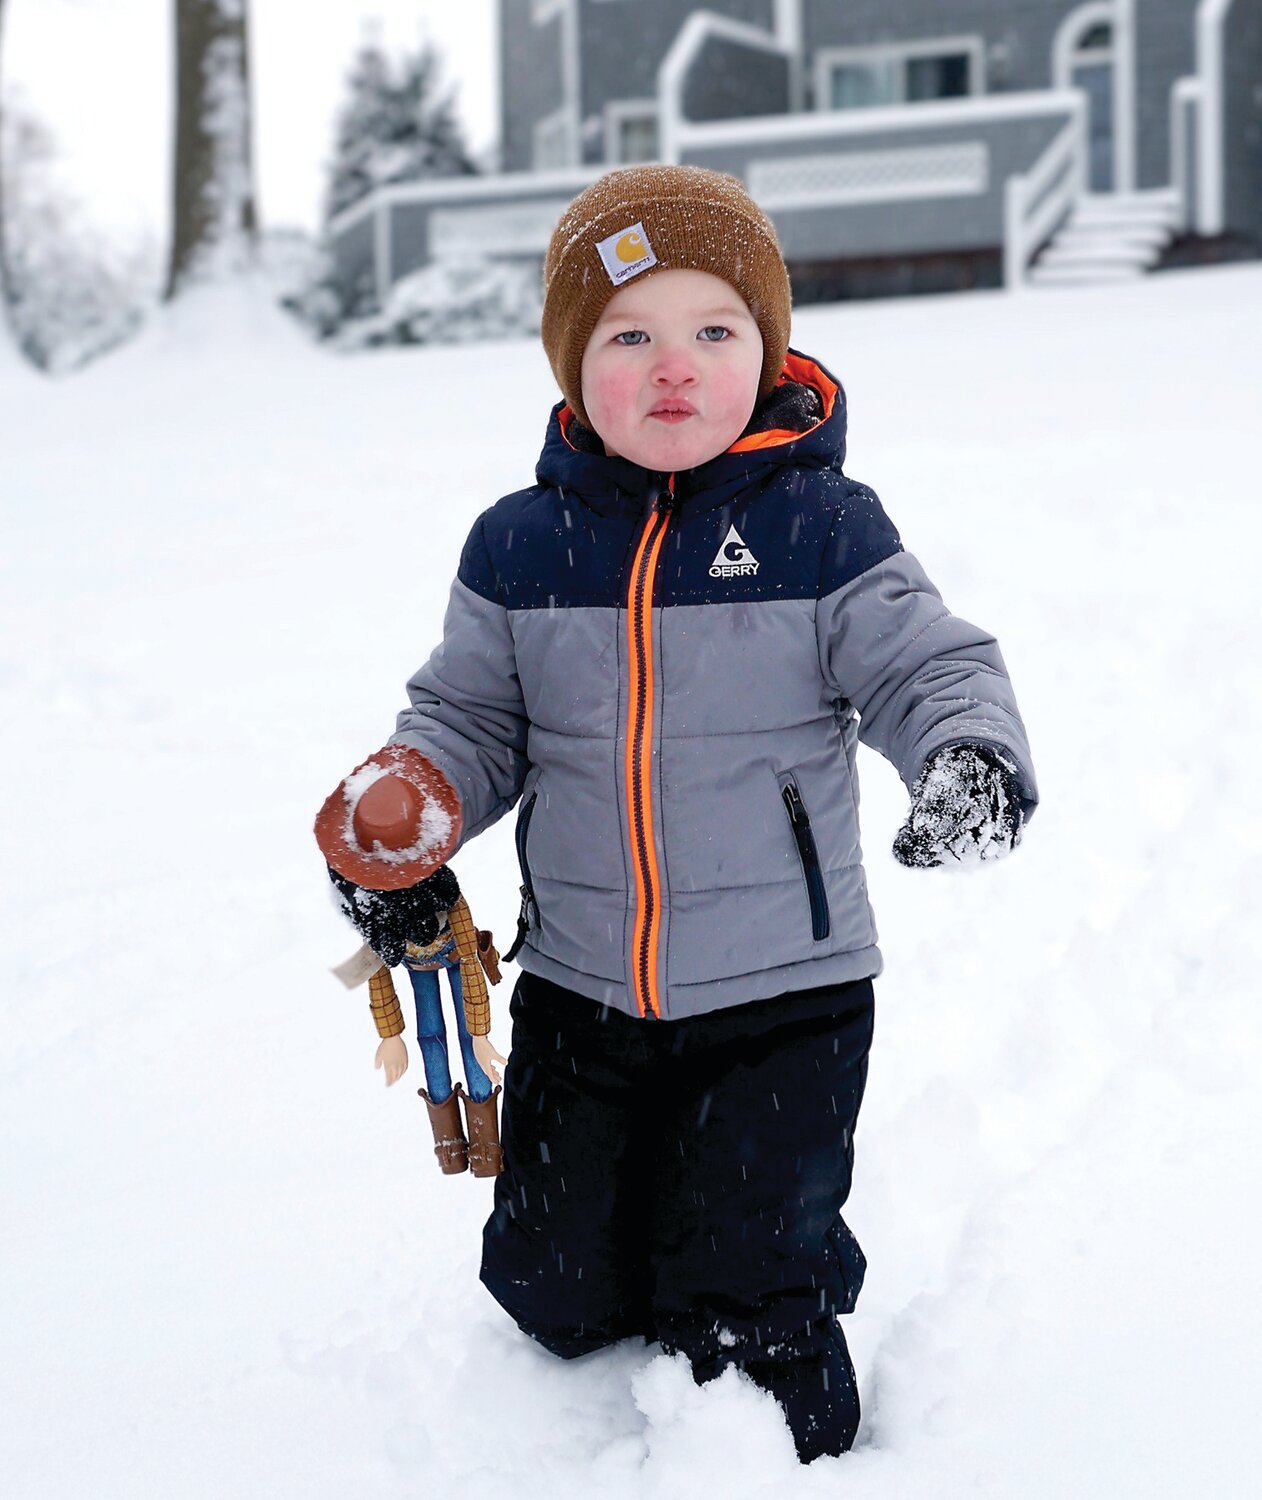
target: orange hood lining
796 368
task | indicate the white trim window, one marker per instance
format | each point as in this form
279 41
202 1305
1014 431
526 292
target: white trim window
899 73
1085 37
551 145
631 130
1095 39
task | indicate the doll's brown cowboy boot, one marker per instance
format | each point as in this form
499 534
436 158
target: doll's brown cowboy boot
450 1146
485 1156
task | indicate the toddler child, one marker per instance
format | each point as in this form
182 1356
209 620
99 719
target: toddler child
665 650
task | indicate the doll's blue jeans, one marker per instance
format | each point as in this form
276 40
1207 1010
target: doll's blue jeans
431 1035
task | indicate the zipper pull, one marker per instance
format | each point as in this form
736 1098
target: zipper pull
665 502
793 802
523 924
797 818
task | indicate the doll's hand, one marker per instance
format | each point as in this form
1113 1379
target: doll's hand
965 806
392 1055
489 1060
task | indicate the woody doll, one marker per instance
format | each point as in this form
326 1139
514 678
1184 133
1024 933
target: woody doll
386 832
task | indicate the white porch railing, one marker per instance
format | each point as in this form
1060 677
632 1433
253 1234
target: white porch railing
1037 202
1211 26
1187 101
1196 126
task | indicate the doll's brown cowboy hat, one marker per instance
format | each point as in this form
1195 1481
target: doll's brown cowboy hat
391 822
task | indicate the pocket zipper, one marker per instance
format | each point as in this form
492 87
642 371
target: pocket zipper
805 840
528 902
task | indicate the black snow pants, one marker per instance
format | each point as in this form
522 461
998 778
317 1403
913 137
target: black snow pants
683 1181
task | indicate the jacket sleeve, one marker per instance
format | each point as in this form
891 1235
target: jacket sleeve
465 709
920 677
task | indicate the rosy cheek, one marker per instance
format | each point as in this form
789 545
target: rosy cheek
614 391
732 390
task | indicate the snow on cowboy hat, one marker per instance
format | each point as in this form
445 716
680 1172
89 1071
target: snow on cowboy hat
391 822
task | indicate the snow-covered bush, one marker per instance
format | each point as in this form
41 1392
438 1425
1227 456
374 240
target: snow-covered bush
300 272
453 302
73 293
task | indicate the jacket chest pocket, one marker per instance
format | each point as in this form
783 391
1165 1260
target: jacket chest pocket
804 838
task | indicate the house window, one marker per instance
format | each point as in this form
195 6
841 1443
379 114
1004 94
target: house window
551 142
1097 38
942 77
638 139
630 131
859 85
920 71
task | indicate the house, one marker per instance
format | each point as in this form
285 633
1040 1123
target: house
897 144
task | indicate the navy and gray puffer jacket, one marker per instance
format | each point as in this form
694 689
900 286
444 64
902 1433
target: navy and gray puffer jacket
671 673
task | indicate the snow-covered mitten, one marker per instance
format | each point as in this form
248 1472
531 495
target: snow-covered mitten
389 920
965 805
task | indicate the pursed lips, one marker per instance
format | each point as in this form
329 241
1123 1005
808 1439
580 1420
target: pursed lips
673 411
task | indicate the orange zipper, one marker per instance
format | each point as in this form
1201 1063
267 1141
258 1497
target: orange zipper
639 755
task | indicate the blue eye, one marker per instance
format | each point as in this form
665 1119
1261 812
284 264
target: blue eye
718 328
632 333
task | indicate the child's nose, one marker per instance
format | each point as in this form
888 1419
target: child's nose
674 366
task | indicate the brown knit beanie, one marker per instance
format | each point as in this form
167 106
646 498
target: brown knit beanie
639 220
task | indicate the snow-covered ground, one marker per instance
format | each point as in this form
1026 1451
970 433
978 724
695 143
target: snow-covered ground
230 1267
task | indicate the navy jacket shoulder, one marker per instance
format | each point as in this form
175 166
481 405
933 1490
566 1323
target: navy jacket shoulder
773 517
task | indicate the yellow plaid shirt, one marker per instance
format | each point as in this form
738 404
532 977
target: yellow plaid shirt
384 1000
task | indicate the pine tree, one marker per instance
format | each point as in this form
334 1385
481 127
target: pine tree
397 125
438 149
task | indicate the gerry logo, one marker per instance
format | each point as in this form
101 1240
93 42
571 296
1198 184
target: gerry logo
733 559
626 253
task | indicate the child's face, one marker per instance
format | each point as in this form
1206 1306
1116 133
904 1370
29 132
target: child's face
670 374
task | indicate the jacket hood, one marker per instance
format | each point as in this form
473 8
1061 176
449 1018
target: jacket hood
801 421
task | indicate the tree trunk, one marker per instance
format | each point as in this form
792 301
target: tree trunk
214 224
6 328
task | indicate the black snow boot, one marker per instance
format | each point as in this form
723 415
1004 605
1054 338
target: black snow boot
819 1395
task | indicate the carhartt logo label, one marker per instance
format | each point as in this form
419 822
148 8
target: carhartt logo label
626 254
733 559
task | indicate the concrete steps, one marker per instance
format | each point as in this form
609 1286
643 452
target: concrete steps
1108 237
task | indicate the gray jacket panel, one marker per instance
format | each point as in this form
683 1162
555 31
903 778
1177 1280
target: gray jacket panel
920 677
466 711
750 697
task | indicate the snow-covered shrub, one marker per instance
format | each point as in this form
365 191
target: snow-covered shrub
300 273
73 293
453 302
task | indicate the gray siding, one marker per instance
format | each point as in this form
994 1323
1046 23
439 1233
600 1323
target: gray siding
622 43
729 80
355 263
531 83
1165 51
409 236
1242 127
966 222
1018 34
